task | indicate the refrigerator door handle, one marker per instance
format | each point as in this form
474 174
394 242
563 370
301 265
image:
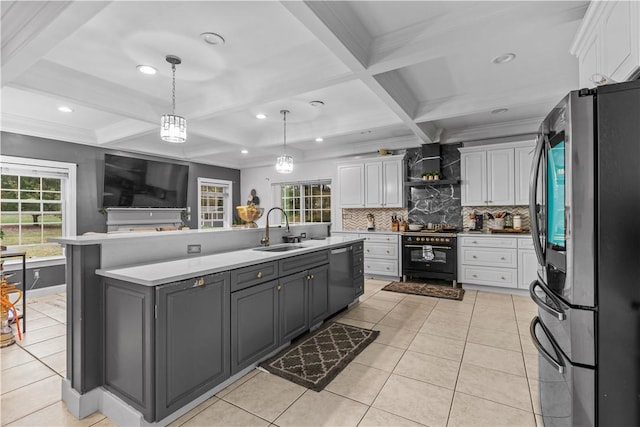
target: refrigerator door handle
561 315
533 188
559 366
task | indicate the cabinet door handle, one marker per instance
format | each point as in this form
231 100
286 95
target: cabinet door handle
360 271
474 275
279 287
313 277
198 282
368 250
387 251
503 278
474 242
474 257
308 277
502 258
259 275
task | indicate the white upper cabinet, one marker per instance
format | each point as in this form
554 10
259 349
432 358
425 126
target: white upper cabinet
372 183
351 185
607 43
523 162
473 191
500 177
496 175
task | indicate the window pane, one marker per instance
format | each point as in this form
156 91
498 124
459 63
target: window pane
8 194
9 182
9 206
11 235
51 184
30 195
29 183
51 196
52 207
30 207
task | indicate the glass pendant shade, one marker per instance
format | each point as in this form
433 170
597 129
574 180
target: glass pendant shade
284 164
173 128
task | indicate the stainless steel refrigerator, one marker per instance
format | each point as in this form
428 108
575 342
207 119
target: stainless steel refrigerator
585 212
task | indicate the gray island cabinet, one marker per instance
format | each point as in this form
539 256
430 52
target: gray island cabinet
166 346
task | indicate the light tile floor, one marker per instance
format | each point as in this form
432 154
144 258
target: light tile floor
436 362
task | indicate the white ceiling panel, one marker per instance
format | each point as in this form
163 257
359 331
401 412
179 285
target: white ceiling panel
410 72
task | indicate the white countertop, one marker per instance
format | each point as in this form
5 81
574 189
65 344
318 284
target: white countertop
159 273
365 231
489 234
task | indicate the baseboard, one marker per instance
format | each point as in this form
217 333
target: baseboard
495 289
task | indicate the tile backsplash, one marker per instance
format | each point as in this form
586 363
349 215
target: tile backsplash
467 223
356 219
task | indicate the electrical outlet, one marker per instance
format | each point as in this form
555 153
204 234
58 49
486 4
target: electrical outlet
194 249
36 274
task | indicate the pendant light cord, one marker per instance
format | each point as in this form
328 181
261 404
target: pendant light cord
173 92
285 131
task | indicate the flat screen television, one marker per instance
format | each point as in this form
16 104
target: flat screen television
139 183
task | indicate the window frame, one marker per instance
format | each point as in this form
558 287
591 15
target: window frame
227 208
302 195
68 193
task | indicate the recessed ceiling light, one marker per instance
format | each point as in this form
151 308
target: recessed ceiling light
504 58
147 69
212 38
65 109
316 103
261 116
319 139
499 110
244 151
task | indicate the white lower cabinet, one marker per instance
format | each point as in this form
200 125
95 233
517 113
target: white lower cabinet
508 262
382 253
527 263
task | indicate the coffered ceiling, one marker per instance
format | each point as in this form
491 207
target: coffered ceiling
391 74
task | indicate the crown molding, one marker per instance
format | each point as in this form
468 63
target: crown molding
48 130
589 24
516 127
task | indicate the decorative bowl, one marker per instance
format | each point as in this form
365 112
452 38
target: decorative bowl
415 227
249 214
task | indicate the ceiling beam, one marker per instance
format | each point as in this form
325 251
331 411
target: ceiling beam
31 29
321 18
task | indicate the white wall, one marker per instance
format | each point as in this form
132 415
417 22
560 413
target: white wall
262 179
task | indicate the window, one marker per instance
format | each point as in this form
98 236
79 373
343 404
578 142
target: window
306 202
214 208
36 203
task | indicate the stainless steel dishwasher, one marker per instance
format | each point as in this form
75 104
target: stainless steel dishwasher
341 291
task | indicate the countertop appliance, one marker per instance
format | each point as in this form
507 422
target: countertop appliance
587 331
430 255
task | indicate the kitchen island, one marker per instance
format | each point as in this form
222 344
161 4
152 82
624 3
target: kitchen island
147 342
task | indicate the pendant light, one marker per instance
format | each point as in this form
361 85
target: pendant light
173 128
284 163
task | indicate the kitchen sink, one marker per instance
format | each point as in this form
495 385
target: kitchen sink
280 248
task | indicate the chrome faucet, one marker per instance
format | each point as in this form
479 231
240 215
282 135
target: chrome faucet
265 239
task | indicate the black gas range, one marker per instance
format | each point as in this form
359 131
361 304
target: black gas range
430 255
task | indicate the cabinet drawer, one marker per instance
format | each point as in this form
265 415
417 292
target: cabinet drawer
525 243
346 235
358 248
489 242
244 277
490 257
504 277
381 266
358 285
383 238
381 250
303 262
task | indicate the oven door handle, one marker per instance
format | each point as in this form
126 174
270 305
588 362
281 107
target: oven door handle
560 314
559 366
422 246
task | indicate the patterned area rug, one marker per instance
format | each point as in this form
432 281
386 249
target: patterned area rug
426 289
317 357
